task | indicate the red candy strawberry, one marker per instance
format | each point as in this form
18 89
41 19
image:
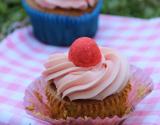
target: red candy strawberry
84 52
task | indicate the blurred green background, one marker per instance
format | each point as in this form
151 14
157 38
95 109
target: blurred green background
11 11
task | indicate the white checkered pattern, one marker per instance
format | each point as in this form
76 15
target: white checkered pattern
22 57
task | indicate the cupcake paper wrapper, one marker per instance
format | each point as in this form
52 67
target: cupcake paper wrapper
35 101
62 30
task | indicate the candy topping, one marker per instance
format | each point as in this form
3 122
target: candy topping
84 52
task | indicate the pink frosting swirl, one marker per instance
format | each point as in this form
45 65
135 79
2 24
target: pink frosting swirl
108 77
66 4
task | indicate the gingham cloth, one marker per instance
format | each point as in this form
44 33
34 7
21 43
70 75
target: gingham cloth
22 58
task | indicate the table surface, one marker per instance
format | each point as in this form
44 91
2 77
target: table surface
22 58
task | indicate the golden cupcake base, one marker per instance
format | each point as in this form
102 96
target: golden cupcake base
115 104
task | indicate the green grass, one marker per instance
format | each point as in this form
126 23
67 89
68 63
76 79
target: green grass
11 10
133 8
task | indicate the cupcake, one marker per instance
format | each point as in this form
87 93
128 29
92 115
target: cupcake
60 22
89 84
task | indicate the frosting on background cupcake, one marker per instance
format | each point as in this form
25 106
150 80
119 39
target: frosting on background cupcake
67 4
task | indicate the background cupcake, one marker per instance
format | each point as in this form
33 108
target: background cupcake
61 22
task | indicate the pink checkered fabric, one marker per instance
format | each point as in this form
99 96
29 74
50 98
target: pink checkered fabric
22 57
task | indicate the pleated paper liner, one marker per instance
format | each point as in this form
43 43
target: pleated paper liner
36 101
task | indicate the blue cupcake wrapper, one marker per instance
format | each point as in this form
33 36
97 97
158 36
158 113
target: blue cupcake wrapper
61 30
